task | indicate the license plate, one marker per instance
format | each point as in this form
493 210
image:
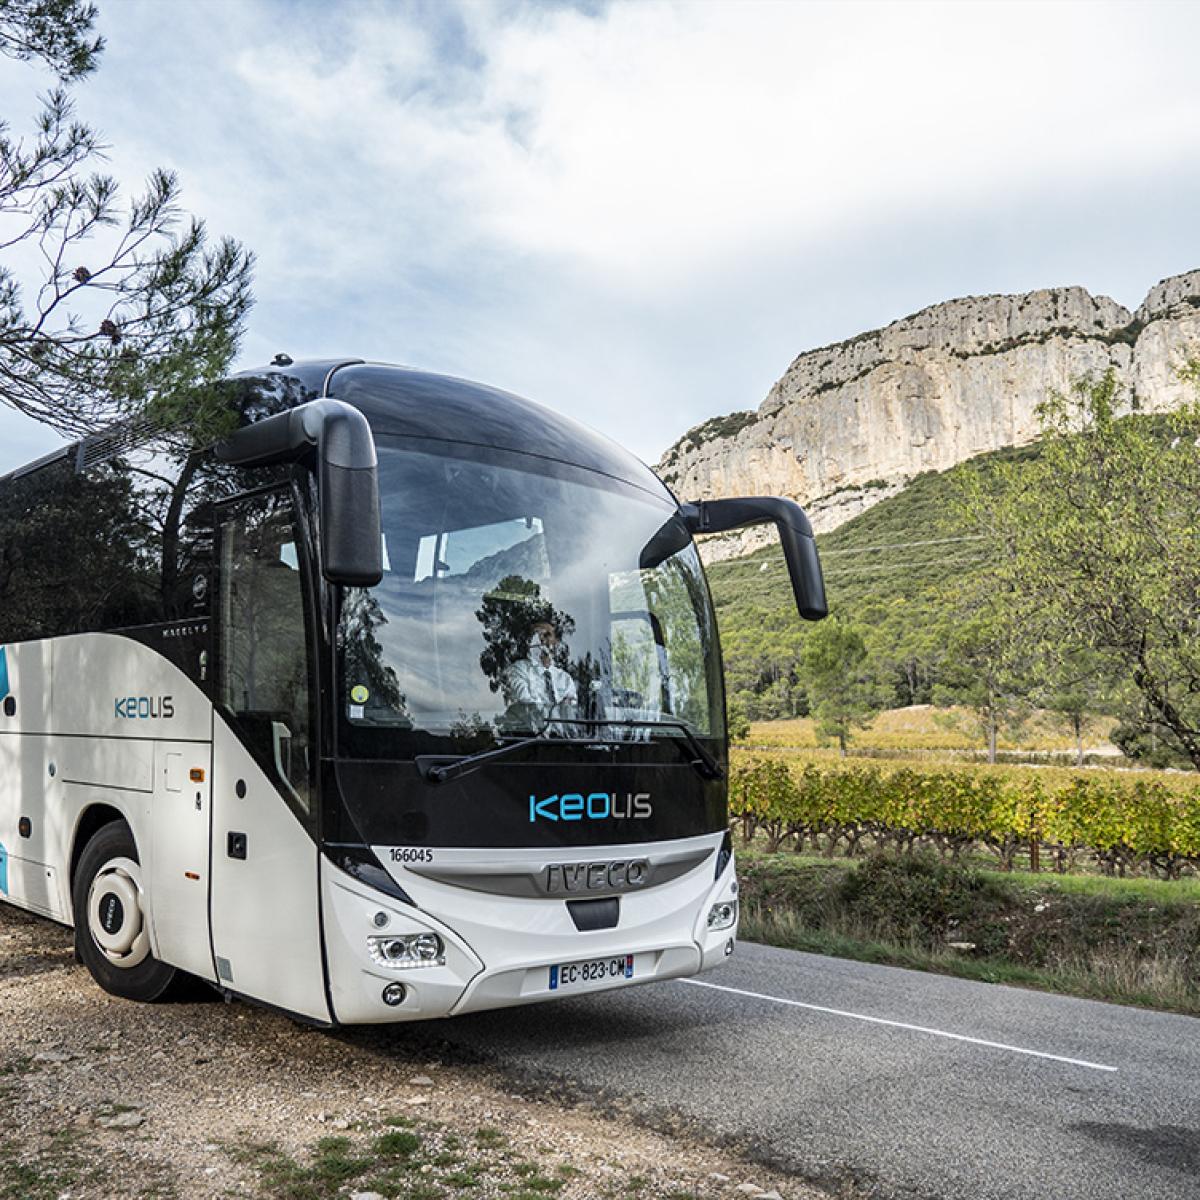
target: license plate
592 970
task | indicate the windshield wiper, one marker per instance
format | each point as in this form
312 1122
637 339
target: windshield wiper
704 762
442 770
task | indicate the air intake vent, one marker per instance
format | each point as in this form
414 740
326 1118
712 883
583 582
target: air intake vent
109 443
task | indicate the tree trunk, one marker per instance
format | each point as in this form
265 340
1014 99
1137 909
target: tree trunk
991 734
1078 721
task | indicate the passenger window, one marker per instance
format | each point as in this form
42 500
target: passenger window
264 662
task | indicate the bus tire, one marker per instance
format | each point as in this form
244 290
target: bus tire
111 938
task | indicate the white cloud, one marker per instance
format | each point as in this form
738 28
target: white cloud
660 138
642 214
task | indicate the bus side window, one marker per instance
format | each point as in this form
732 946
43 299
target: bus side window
264 667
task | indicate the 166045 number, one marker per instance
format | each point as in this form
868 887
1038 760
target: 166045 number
411 854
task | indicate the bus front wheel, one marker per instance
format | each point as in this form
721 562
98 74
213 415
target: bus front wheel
111 939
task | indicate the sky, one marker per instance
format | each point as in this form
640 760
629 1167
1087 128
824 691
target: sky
640 213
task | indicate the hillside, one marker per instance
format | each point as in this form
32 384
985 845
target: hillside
888 569
850 424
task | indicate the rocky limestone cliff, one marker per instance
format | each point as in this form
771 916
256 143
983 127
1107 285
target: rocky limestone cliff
851 423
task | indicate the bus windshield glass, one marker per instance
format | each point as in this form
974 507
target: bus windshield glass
523 597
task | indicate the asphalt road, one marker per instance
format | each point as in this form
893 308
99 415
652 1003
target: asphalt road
891 1082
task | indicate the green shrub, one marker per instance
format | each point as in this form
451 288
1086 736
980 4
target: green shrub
919 897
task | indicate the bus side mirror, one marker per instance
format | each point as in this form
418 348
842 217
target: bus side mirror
347 479
795 533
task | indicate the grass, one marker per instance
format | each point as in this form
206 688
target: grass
1153 891
1132 941
332 1163
46 1172
400 1161
37 1166
400 1143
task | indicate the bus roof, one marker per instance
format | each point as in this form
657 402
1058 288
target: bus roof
403 402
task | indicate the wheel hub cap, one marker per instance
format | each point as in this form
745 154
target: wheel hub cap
115 918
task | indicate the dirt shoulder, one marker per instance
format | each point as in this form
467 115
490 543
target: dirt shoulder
104 1098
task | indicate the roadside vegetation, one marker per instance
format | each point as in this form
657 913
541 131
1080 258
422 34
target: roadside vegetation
1119 823
1120 940
1079 881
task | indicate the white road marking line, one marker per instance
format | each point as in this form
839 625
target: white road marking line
956 1037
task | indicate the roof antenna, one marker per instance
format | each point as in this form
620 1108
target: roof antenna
281 360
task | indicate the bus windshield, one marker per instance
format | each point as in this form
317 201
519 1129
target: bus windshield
522 596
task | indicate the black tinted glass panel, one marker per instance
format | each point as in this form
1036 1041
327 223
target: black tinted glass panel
264 659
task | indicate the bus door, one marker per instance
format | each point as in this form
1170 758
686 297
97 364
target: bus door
265 917
179 864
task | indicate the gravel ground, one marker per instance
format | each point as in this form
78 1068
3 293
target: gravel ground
104 1098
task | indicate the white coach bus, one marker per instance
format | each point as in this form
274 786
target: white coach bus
402 701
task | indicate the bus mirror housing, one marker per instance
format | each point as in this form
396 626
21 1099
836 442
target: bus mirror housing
347 479
795 533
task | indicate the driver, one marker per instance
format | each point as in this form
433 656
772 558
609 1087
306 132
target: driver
538 680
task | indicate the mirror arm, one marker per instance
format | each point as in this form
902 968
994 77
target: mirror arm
795 534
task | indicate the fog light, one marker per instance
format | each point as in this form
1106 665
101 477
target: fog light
723 915
408 950
393 994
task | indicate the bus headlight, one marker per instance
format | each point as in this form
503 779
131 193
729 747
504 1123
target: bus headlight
408 950
723 915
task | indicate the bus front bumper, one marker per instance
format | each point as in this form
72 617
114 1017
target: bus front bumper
664 940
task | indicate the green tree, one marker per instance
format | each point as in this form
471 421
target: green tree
59 32
1100 536
737 722
134 310
990 655
1077 686
841 688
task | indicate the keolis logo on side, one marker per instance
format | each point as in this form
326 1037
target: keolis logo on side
144 708
595 806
